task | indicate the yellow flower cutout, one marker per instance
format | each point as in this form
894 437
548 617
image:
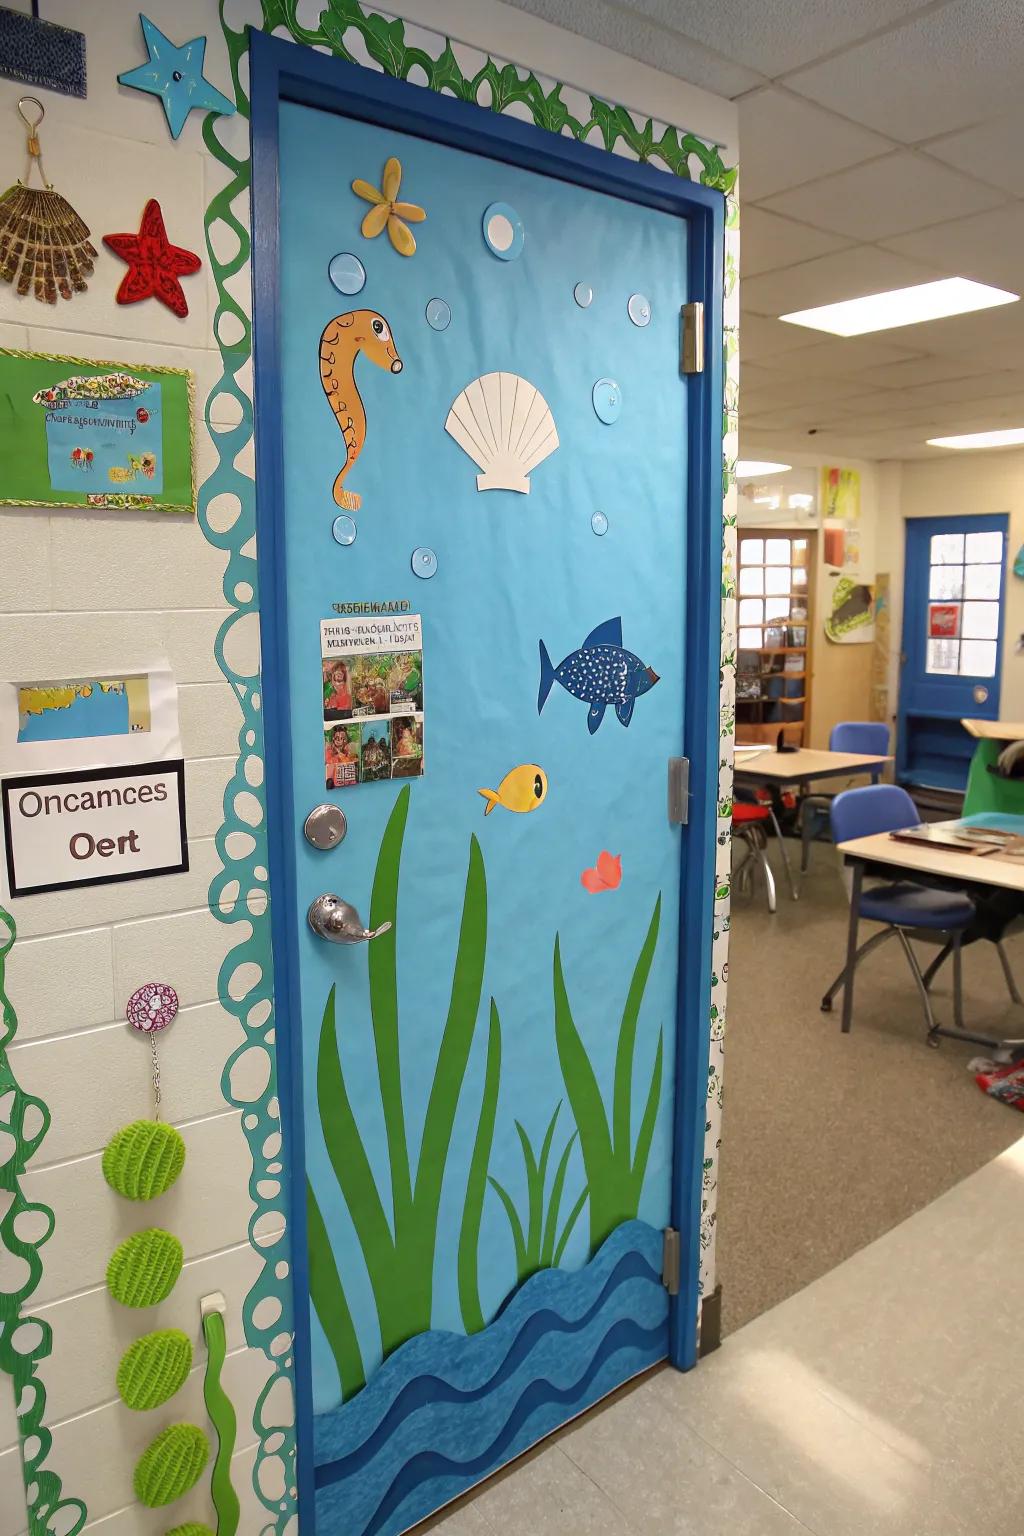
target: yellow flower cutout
388 211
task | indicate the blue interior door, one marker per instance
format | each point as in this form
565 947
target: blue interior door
483 534
951 659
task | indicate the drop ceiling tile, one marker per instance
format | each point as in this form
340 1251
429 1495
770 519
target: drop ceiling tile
775 35
660 46
954 65
767 341
785 141
923 370
991 336
886 197
989 150
839 357
842 275
988 386
796 418
768 241
985 246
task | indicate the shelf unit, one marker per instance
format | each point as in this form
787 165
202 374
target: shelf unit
774 619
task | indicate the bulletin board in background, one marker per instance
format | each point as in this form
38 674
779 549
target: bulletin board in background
77 432
880 656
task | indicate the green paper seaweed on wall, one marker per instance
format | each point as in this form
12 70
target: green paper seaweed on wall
614 1163
538 1242
398 1253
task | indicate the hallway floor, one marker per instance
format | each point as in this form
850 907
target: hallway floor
881 1399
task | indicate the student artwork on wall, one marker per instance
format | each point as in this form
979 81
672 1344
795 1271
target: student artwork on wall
850 617
372 673
154 264
505 425
387 212
343 339
76 432
90 720
600 672
175 75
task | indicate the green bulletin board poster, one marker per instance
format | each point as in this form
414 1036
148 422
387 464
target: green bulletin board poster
85 433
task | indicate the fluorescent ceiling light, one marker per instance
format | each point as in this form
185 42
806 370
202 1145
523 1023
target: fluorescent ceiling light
1004 438
902 306
756 469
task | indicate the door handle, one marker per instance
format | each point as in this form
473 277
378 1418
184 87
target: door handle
337 920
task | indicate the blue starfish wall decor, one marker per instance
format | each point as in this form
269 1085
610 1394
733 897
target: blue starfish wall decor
176 76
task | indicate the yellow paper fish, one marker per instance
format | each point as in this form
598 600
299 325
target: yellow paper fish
521 790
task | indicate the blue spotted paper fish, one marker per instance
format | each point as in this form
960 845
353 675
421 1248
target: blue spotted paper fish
601 672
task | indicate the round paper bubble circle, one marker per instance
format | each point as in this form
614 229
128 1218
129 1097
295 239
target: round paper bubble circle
424 563
503 231
344 529
152 1007
599 523
347 273
439 315
607 398
583 294
639 309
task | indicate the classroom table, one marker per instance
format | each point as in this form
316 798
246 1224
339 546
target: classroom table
774 769
884 855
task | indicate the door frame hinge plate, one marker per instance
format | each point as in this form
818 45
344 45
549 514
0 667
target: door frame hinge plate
670 1256
679 790
691 348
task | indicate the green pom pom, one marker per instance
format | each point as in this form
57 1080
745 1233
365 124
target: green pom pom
142 1160
144 1269
191 1528
171 1465
154 1368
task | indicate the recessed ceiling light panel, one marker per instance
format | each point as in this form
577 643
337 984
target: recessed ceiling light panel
756 469
902 306
1007 437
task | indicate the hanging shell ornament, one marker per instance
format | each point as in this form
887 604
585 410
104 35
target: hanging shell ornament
44 244
505 425
387 212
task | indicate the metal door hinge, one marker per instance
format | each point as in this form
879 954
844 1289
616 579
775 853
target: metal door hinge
670 1261
679 790
691 358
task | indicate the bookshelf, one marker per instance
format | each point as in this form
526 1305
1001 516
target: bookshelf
773 634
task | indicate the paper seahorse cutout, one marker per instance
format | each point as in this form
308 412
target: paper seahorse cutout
344 337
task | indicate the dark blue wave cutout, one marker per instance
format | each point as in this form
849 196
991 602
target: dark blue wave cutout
649 1344
430 1389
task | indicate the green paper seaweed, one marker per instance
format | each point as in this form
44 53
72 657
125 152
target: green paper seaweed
399 1253
222 1417
539 1244
615 1166
154 1368
142 1160
170 1465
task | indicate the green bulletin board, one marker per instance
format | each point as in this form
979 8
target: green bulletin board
78 432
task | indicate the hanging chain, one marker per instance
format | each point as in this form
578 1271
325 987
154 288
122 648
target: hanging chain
156 1077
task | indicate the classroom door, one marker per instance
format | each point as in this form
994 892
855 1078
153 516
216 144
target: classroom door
483 533
951 660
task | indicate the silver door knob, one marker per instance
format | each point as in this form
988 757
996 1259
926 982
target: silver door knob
337 920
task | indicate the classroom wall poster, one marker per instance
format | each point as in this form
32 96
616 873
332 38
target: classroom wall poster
880 660
840 517
372 678
102 719
81 433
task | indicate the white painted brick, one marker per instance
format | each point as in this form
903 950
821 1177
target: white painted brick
25 568
61 983
44 647
211 718
133 560
90 1333
192 1055
208 1208
13 336
60 911
206 779
8 1423
186 950
137 1521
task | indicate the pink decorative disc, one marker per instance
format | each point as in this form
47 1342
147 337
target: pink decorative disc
152 1007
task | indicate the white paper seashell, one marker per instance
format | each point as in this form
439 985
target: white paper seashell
503 422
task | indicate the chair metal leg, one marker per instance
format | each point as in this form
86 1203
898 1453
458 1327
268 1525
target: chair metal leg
805 839
939 961
769 877
1008 973
926 1001
785 857
875 941
958 983
856 867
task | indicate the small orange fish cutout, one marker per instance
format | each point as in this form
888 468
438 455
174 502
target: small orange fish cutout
606 876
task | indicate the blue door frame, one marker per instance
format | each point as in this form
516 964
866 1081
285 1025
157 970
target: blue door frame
283 72
932 748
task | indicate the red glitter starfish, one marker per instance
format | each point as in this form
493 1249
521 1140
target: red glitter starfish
154 265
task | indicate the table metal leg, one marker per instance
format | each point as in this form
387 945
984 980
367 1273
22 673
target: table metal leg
851 943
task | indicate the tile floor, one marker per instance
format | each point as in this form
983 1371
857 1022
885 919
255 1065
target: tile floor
883 1398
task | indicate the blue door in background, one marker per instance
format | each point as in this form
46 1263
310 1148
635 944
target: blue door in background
483 649
951 657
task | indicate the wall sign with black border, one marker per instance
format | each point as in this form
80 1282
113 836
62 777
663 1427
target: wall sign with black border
94 826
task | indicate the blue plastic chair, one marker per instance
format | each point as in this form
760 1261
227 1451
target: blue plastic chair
868 736
901 905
